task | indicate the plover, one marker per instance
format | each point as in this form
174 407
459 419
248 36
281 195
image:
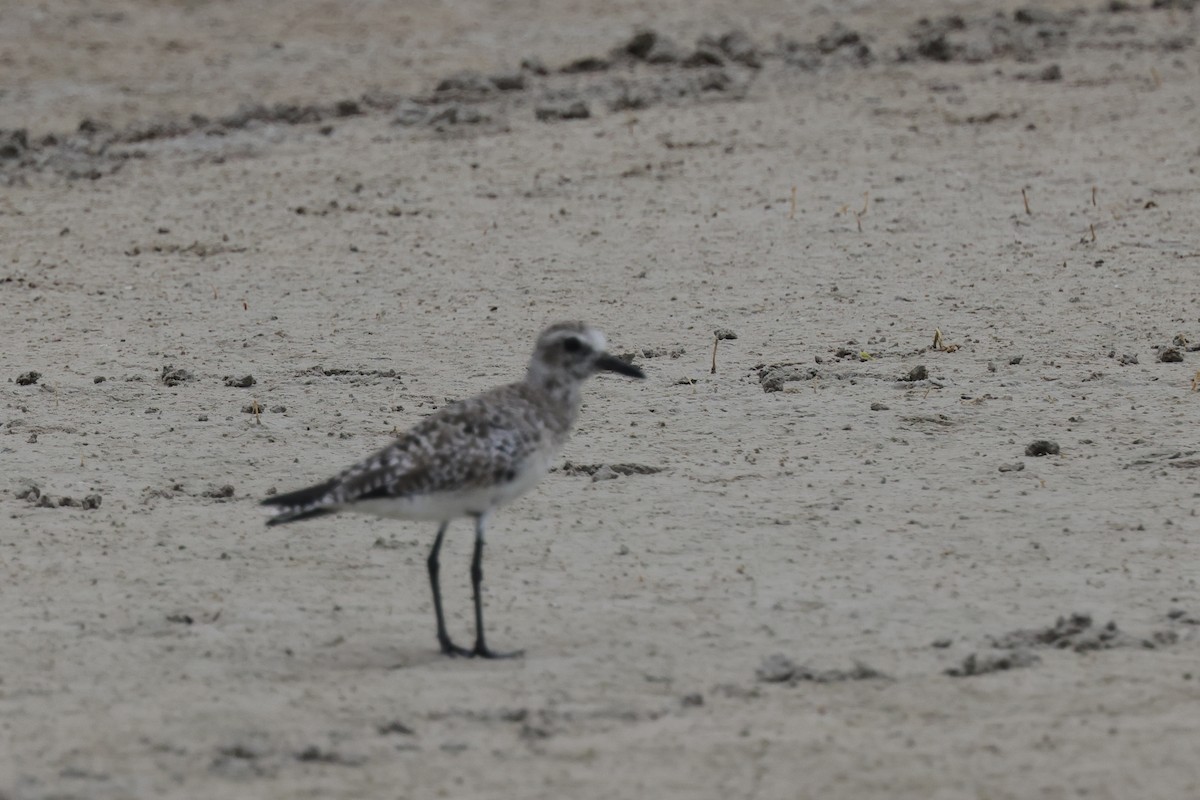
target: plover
469 458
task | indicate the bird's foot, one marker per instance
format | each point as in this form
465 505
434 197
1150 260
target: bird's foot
480 650
483 651
449 648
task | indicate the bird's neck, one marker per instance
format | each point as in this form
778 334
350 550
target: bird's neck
560 392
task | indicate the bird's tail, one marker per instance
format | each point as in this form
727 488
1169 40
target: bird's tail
306 503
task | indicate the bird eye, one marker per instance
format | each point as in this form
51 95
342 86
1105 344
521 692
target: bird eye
572 345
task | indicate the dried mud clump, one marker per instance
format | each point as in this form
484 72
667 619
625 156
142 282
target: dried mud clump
172 376
458 114
586 64
736 46
975 664
465 84
652 47
1170 355
1077 632
840 45
13 143
773 377
1042 447
616 469
778 668
1030 32
27 490
555 112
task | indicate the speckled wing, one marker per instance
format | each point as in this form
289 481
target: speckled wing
466 445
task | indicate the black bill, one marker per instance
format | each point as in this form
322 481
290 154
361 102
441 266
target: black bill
614 364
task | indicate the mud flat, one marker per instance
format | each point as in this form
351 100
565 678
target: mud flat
925 525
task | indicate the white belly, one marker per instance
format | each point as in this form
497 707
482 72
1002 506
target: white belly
440 506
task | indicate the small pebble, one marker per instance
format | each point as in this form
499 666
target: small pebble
243 382
28 378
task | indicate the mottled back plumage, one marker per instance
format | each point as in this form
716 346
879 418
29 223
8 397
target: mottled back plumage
487 441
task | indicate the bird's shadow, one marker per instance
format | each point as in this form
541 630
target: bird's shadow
367 656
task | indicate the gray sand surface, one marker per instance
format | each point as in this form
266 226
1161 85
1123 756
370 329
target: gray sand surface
839 582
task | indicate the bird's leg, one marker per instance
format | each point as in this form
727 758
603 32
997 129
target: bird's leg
448 647
481 649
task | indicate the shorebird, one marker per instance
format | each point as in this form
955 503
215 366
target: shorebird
469 458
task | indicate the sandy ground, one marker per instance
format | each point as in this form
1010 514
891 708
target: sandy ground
839 582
